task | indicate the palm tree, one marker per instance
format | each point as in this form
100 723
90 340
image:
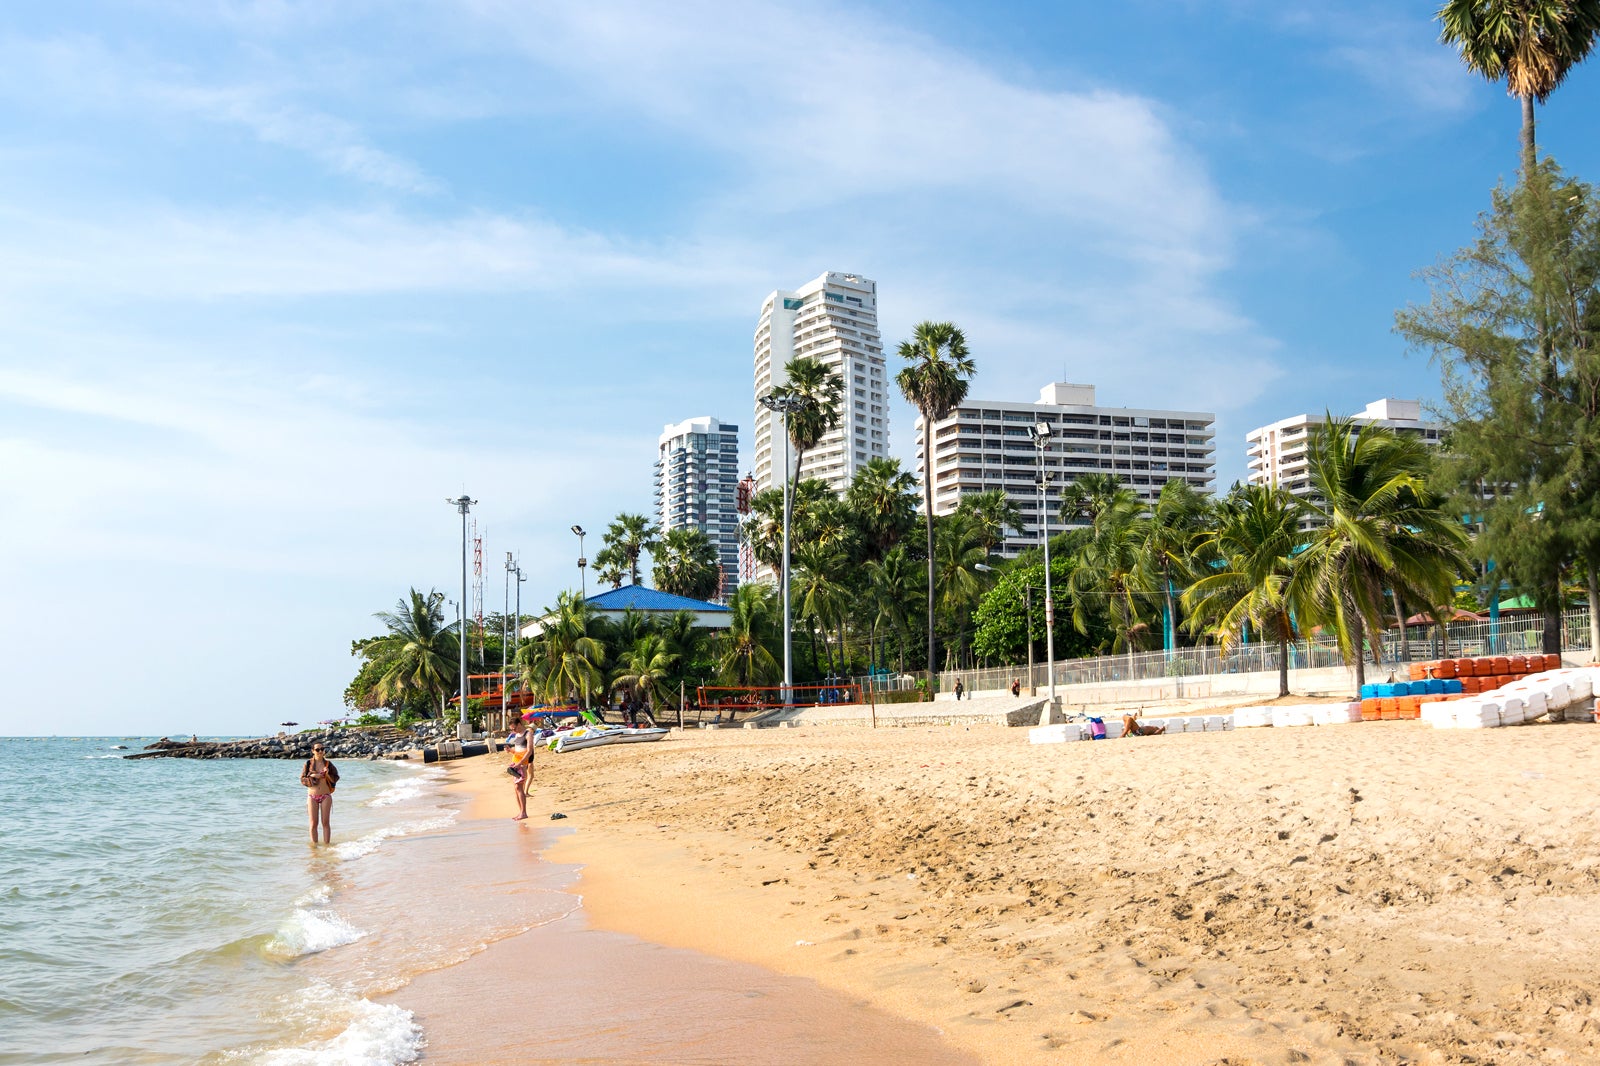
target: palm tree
609 568
627 539
1532 44
1110 564
819 594
994 512
893 595
821 387
935 382
745 655
1252 551
958 549
1378 527
1175 522
764 528
1091 495
565 659
419 653
882 498
686 564
646 669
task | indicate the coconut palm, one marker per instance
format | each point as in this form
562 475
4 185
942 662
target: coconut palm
1531 44
993 512
893 594
745 648
685 563
419 654
1091 495
1377 527
1252 551
565 660
1111 565
958 550
764 528
883 499
821 387
627 539
820 595
646 669
1175 522
935 380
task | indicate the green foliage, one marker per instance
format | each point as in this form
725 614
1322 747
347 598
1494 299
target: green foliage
1002 621
626 541
686 564
417 659
821 388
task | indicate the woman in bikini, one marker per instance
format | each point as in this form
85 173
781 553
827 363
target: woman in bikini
521 768
320 778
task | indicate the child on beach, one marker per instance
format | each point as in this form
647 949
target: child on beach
320 777
521 768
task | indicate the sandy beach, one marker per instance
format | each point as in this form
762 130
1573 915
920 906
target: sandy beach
1380 892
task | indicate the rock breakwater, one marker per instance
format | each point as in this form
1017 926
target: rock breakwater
379 743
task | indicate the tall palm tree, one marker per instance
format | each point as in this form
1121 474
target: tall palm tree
1111 565
893 595
1532 44
628 537
745 648
685 563
1175 523
882 498
419 653
764 528
958 549
935 380
818 589
822 388
993 512
565 659
1252 550
1377 527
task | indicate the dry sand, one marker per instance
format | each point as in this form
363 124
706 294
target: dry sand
1380 892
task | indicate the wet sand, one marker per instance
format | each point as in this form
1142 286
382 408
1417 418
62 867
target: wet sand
1369 893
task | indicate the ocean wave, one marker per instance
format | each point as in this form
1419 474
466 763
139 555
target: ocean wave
370 1033
310 930
401 791
355 849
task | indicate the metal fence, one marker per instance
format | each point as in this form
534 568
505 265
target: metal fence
1509 635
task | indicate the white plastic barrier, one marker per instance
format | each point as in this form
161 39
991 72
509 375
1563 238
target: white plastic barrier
1288 717
1336 713
1055 734
1216 723
1513 710
1535 705
1252 717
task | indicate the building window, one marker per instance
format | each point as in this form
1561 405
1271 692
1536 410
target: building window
791 304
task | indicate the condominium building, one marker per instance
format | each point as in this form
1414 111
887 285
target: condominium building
1277 453
833 319
697 486
989 444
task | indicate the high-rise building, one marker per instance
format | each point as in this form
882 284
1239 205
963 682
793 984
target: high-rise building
989 444
833 319
1277 453
697 486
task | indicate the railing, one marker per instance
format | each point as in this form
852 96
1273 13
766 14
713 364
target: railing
1508 635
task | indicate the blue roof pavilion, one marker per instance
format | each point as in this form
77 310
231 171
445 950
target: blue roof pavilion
615 603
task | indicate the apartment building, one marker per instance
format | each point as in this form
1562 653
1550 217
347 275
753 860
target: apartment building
697 486
833 319
989 444
1277 453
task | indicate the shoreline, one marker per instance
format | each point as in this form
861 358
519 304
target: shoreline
1362 893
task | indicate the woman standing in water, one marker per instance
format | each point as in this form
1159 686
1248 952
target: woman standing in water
519 744
320 778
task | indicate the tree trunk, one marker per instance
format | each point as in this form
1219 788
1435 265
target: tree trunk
1594 612
1529 153
927 513
1360 639
1283 660
1552 628
1405 641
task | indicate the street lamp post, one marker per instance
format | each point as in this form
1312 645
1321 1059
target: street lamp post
505 641
583 581
1041 439
786 405
463 504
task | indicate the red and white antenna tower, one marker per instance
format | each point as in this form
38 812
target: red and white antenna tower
477 583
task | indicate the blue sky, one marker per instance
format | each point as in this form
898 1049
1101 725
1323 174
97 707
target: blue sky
278 278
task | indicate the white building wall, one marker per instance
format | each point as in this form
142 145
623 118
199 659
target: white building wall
833 319
987 444
1277 453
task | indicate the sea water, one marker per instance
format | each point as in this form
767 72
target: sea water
175 911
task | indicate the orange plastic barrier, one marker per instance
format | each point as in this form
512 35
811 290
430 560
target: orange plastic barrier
1419 671
1445 668
1370 709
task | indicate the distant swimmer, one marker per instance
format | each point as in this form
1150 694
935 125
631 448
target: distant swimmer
320 777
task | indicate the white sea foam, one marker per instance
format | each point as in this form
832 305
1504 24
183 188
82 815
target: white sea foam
310 930
373 1034
355 849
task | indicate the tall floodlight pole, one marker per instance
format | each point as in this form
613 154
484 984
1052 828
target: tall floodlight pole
786 405
1041 438
505 642
464 505
583 579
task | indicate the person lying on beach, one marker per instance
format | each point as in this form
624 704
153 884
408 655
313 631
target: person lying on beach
521 768
320 777
1132 728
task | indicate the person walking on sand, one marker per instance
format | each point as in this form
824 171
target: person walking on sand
521 768
960 688
320 777
1016 686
